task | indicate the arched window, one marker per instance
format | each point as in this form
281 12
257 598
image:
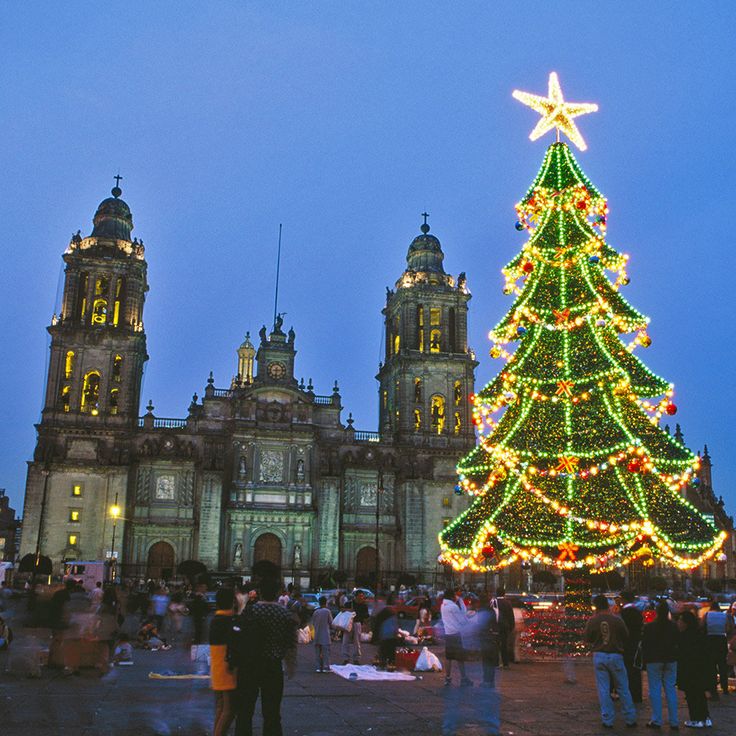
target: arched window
82 294
65 396
268 547
91 393
417 419
114 401
420 328
99 312
437 412
458 393
417 390
458 423
397 344
69 364
397 333
119 293
434 341
117 367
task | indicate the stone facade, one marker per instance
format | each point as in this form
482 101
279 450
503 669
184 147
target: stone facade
264 469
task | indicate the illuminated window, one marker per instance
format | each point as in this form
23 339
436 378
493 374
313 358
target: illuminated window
397 344
417 390
114 401
385 399
65 396
417 419
102 284
69 364
118 301
91 393
72 540
117 366
437 412
435 314
74 515
458 389
420 328
77 490
421 340
446 501
99 312
445 522
82 294
458 422
434 341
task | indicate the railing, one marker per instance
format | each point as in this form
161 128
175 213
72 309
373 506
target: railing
222 393
361 436
164 423
323 400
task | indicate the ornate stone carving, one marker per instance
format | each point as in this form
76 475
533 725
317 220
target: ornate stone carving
165 488
143 485
272 466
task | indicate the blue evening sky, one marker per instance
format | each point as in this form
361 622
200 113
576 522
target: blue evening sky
345 121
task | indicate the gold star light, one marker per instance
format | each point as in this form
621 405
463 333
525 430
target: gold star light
555 112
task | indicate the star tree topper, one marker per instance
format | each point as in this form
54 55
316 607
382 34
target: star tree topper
555 112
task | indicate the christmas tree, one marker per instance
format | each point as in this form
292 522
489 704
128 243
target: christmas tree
571 468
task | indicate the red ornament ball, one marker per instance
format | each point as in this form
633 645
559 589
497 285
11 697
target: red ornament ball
528 267
489 550
634 466
581 204
671 409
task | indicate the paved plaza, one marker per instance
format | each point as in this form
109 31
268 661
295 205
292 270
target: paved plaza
535 701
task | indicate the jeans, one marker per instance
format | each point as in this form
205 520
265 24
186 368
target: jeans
267 678
662 675
461 708
609 667
322 652
351 643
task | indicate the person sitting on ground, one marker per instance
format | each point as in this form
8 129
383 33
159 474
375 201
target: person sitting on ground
123 653
149 638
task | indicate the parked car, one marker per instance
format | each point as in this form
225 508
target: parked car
410 608
311 600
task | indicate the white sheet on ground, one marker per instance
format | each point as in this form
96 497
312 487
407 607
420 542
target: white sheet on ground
368 672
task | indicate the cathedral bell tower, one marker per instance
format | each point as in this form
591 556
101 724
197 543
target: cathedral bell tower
90 412
428 371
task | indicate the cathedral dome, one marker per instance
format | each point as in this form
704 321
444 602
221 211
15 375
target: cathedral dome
425 253
113 219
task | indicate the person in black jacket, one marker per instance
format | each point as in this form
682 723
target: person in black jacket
693 669
659 654
634 622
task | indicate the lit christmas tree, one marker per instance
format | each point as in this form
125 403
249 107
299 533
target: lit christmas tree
571 468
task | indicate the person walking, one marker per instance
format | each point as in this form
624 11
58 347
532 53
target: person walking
693 670
223 678
262 637
454 617
634 621
659 655
607 634
506 626
322 622
718 628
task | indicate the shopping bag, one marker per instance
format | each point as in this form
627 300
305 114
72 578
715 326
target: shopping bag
304 636
344 621
427 662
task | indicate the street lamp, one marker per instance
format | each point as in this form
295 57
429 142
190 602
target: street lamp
115 514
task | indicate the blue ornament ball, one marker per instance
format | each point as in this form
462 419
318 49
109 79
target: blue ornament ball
521 330
696 481
594 259
519 225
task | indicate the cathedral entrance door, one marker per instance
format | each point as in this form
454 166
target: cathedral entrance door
365 566
160 561
267 547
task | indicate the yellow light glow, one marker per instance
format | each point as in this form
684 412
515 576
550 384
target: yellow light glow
115 511
555 112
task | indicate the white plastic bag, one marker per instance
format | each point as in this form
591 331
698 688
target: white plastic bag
427 661
304 636
344 621
366 637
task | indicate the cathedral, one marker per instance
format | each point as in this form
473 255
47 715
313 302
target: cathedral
264 469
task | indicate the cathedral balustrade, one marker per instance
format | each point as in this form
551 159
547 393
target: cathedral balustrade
323 400
164 423
363 436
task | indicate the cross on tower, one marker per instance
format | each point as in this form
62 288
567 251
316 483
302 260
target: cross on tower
117 180
425 215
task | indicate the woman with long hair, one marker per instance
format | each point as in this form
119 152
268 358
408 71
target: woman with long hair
659 655
693 669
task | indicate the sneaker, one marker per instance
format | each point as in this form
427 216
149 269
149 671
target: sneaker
694 724
708 723
319 669
652 724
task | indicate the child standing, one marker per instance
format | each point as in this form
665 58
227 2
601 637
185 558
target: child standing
322 622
